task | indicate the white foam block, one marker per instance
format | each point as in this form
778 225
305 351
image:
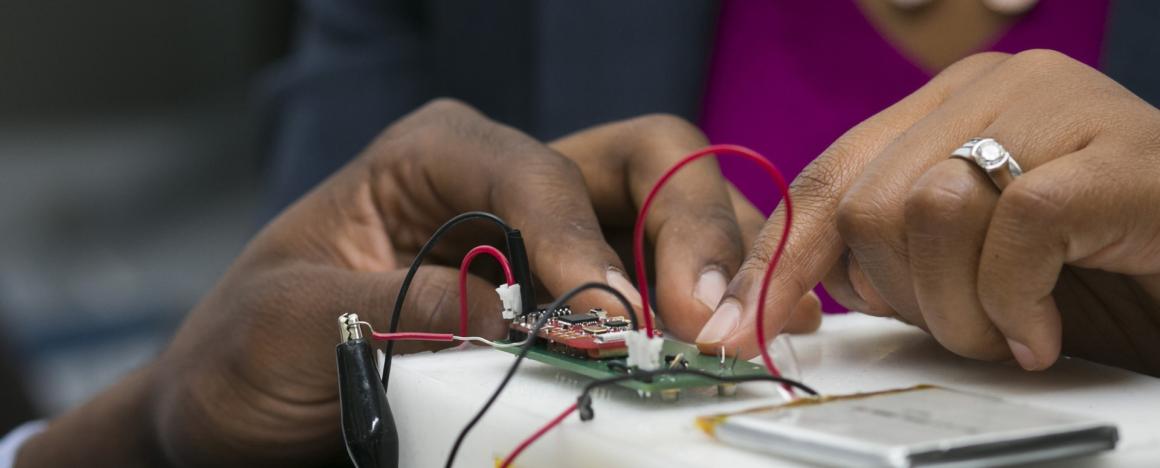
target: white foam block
433 396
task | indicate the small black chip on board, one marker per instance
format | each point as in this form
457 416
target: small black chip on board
577 318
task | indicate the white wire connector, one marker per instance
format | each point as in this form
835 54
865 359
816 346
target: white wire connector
643 352
509 295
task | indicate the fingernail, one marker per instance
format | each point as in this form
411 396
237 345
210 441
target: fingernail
722 324
710 288
1023 355
620 282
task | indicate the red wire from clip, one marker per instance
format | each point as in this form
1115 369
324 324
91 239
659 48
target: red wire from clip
412 336
638 236
511 458
463 272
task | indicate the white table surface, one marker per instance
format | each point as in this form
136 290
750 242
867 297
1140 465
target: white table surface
434 394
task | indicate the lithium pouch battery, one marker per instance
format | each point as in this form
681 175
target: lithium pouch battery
919 426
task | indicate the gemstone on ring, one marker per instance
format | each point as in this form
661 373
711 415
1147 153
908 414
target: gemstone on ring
990 153
992 158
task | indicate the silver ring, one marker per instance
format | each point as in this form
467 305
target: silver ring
993 158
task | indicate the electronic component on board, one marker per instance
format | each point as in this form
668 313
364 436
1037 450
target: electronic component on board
578 318
596 346
571 334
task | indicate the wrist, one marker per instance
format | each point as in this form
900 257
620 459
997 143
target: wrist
112 429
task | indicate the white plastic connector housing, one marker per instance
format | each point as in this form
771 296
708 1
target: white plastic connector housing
509 295
644 352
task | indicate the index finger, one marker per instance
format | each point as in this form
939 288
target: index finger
814 244
692 224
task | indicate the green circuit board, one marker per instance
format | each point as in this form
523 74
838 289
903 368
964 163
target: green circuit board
665 386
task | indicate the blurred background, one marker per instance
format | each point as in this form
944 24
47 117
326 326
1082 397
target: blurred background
130 176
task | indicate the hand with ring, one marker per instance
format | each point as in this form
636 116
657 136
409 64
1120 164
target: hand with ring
1010 207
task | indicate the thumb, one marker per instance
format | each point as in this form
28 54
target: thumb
813 246
794 309
432 304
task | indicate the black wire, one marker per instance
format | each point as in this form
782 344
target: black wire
646 376
584 401
397 313
525 348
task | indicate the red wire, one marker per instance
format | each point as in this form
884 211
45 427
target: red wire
511 458
414 336
638 236
641 273
463 267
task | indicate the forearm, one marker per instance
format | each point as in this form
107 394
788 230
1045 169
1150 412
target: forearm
113 429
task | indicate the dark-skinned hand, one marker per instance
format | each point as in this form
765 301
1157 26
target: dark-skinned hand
250 380
1065 259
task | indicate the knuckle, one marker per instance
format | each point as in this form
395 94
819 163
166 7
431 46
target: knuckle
848 147
1040 57
936 204
976 61
433 291
859 218
426 134
718 215
819 187
666 124
1027 201
817 184
714 225
444 120
1058 83
447 106
568 170
658 133
759 255
870 226
963 72
991 302
784 279
1041 68
786 275
717 236
431 123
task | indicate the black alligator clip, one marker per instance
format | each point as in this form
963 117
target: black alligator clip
367 424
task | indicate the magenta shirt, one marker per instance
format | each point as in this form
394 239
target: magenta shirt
788 77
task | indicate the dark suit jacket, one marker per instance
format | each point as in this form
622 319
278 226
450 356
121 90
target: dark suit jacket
547 67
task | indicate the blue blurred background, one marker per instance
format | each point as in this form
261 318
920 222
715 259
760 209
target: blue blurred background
130 176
